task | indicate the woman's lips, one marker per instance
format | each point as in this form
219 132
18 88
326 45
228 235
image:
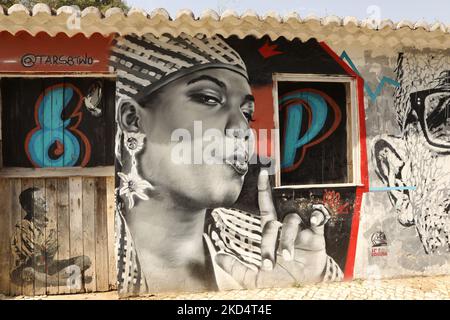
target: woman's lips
239 162
240 167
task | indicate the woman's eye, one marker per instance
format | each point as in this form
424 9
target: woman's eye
248 116
207 99
247 110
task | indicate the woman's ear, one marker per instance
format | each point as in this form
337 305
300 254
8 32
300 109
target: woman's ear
128 117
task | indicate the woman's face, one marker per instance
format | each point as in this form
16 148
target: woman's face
202 170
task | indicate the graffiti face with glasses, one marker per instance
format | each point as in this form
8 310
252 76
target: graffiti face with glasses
432 108
416 167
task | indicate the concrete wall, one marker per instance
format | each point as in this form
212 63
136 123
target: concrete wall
397 218
376 202
416 220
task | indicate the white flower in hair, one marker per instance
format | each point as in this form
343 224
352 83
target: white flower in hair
134 142
133 185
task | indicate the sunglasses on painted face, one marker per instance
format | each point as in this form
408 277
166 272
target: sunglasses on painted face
433 110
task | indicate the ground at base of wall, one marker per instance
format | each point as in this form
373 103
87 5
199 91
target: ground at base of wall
418 288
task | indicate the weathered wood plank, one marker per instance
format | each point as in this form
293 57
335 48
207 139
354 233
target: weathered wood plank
1 129
51 232
101 236
57 172
110 216
39 240
63 229
5 236
16 219
89 231
1 152
28 288
76 225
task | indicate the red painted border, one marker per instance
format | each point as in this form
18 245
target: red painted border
351 253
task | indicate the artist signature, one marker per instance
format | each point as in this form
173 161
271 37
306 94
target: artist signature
30 60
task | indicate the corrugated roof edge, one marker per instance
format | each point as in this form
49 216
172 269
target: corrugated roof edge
42 8
137 21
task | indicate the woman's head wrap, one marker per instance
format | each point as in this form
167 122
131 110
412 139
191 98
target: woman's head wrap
145 64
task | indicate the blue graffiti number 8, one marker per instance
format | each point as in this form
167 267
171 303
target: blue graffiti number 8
51 144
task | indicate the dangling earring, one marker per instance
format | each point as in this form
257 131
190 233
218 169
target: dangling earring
132 183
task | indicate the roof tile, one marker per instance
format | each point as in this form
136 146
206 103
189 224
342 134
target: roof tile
333 29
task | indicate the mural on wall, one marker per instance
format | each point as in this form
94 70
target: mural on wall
34 248
408 132
65 128
289 204
194 210
419 157
58 238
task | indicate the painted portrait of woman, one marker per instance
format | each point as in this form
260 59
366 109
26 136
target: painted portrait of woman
167 84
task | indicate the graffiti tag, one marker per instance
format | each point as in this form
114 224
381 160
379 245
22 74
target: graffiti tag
333 200
30 60
384 81
54 142
317 106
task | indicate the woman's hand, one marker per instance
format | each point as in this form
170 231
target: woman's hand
300 256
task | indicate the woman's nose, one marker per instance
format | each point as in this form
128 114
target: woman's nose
237 126
238 133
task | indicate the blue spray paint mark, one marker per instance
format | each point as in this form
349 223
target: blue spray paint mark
382 189
385 80
53 130
292 142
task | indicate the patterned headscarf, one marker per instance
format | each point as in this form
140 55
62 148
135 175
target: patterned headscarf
145 64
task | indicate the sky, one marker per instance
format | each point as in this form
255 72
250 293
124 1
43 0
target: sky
396 10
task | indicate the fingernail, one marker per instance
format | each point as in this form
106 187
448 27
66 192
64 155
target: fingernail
314 221
286 255
267 265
